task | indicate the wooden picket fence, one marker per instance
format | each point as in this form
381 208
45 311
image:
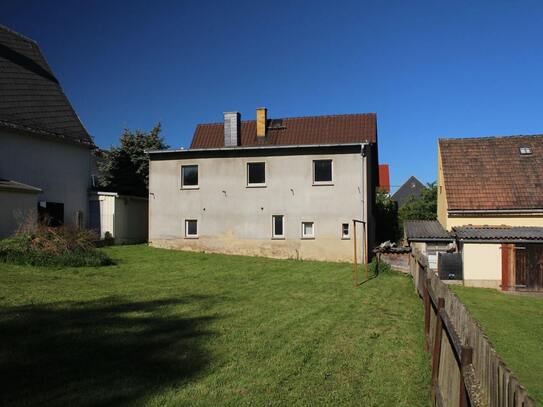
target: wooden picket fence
466 369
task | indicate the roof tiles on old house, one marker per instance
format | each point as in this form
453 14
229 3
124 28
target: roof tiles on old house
499 233
336 129
490 173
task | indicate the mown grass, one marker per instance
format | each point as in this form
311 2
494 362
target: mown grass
174 328
514 325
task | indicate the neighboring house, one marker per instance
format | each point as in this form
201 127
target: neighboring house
490 181
410 189
429 237
285 188
384 178
42 141
123 217
510 258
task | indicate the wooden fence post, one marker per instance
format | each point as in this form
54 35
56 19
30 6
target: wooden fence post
426 297
436 354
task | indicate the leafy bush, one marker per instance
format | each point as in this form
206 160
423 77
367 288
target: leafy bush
48 246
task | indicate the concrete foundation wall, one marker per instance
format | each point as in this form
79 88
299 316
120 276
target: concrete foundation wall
237 219
61 170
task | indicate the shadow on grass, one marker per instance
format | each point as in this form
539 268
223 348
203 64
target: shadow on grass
107 352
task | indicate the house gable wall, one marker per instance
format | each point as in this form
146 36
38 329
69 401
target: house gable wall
60 169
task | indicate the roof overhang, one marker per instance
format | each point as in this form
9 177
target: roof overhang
490 212
256 150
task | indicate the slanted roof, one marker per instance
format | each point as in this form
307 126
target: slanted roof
499 233
412 188
490 173
426 230
31 98
337 129
10 185
384 178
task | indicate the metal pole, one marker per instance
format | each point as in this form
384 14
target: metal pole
355 265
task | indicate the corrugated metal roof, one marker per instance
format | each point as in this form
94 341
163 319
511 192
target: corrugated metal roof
10 185
425 230
335 129
498 233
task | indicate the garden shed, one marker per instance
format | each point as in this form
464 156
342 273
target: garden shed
122 217
510 258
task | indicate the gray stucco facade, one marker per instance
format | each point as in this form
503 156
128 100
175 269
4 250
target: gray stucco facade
236 218
60 168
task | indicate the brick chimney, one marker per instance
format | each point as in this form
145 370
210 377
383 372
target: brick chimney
232 129
261 121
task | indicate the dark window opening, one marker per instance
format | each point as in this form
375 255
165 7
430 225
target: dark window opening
322 171
191 228
189 175
256 173
51 213
277 225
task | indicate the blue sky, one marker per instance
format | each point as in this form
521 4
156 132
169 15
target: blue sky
428 69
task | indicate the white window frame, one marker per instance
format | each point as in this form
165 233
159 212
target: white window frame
348 235
331 182
187 236
274 235
183 186
259 184
312 235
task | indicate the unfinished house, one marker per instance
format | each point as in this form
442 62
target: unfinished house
296 188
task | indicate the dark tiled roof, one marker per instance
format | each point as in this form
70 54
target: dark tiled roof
490 173
31 98
410 188
425 230
9 185
349 128
503 233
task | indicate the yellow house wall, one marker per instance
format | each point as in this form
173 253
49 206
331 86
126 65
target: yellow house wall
441 193
482 265
495 221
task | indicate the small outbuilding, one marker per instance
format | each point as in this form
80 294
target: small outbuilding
121 217
429 237
19 206
510 258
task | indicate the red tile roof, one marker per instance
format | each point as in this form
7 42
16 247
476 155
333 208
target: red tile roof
490 173
384 178
338 129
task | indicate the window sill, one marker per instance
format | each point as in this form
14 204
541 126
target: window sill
316 184
256 185
278 238
190 187
345 238
308 238
192 237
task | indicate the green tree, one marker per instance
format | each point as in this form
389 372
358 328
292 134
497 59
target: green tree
424 208
125 169
386 217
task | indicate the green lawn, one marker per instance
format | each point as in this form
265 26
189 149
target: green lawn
173 328
514 325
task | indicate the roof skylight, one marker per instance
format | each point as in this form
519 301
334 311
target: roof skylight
525 150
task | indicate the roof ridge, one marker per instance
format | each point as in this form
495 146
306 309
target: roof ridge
297 117
24 37
490 137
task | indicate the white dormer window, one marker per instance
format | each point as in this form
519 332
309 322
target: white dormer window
525 150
